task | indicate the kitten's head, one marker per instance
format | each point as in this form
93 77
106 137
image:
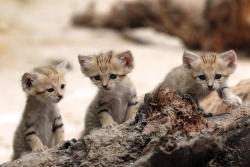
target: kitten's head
107 69
46 83
211 70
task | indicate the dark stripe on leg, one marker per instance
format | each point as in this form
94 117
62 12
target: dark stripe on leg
29 125
30 133
56 127
101 103
103 110
131 104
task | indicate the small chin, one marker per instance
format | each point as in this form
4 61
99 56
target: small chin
105 88
108 88
54 100
211 89
57 101
46 100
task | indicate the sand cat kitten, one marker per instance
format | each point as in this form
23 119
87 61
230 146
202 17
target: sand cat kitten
201 74
116 99
41 126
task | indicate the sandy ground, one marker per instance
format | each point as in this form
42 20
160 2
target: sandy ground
32 32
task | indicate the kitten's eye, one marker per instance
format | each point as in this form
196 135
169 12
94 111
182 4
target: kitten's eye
62 86
50 90
112 76
218 76
202 77
97 77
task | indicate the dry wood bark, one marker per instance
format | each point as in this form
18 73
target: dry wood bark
167 131
201 24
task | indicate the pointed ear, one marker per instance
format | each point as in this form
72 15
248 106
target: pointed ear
28 80
190 59
63 66
126 59
230 58
84 60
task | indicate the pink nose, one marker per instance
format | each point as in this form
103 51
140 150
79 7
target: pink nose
210 86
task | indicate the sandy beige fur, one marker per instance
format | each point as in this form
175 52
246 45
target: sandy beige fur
41 125
197 76
116 99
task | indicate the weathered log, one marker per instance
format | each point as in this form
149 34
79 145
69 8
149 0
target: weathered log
202 24
235 151
166 130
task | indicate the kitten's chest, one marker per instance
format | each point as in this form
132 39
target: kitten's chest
199 92
44 121
118 106
44 125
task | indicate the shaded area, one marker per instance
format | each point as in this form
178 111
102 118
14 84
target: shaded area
207 24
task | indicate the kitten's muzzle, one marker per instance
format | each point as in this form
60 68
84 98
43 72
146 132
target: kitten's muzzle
210 87
106 87
60 97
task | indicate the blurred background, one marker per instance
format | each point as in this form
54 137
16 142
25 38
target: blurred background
34 32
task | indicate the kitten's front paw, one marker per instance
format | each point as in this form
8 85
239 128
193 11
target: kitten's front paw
39 148
206 115
131 116
233 101
110 124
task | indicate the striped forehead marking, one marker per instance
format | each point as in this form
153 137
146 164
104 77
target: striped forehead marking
103 61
